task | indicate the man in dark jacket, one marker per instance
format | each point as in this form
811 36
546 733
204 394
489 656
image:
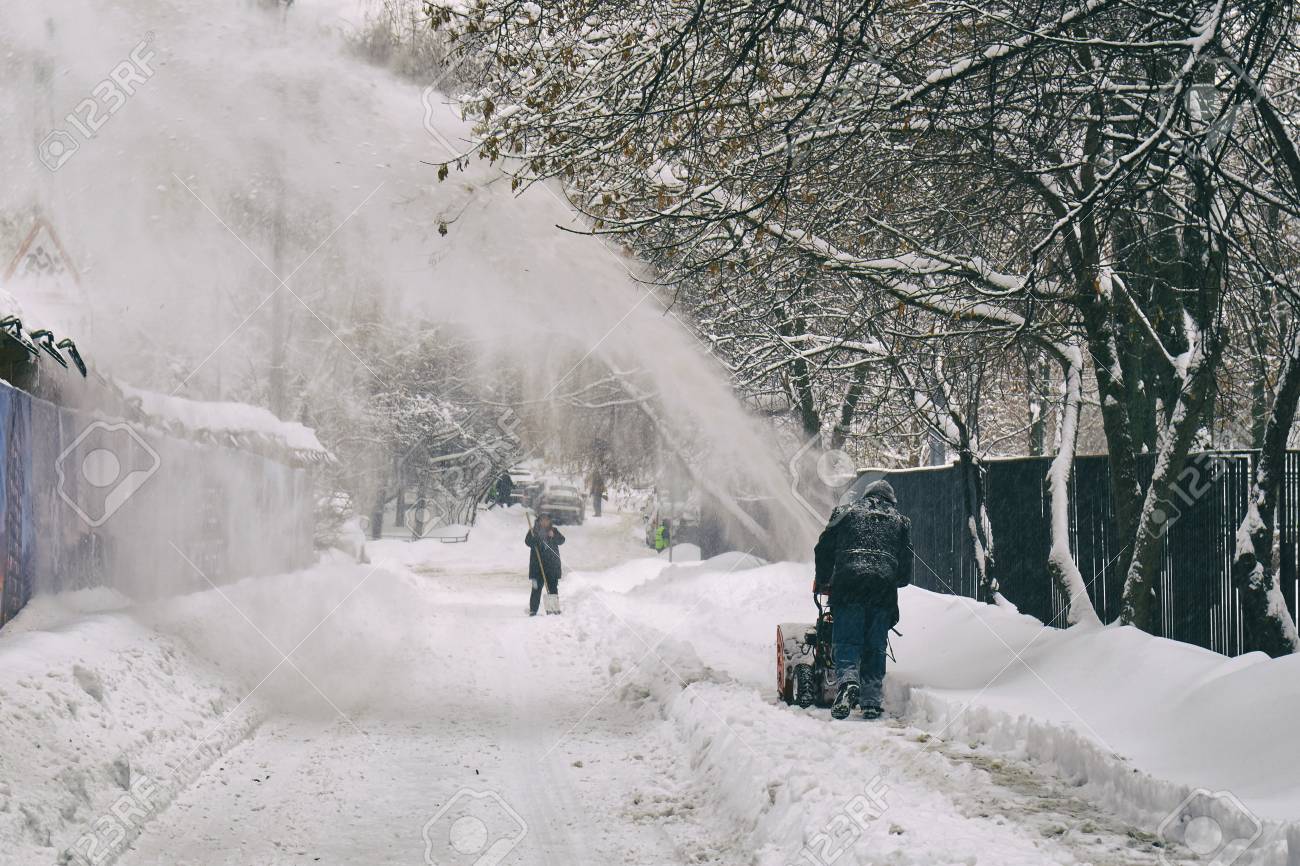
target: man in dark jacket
502 491
862 558
544 566
597 487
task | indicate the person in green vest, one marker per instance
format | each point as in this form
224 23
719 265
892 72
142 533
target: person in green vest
662 538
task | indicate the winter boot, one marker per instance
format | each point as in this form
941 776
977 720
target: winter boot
845 701
872 711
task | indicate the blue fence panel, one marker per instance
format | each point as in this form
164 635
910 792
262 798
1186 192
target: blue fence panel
16 520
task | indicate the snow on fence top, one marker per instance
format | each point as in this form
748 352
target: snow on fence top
239 422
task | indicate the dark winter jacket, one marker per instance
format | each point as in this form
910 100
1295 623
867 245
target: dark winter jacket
544 553
865 553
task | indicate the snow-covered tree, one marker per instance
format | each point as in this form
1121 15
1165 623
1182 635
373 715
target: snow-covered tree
1089 181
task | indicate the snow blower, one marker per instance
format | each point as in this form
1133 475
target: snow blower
803 659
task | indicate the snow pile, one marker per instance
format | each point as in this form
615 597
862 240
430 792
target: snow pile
226 418
110 710
1142 719
682 553
1128 721
793 787
620 578
104 722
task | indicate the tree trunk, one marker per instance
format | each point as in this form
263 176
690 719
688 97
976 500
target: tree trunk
1191 386
801 391
1267 623
975 502
1259 347
1061 567
849 408
1158 508
937 442
1039 379
377 515
1125 489
399 516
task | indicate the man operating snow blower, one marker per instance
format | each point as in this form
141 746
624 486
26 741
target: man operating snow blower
544 541
862 558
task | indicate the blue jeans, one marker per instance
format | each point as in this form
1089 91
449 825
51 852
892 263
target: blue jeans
858 642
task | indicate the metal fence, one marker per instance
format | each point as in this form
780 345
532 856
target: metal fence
1196 600
200 512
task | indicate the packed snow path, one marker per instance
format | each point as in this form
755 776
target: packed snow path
553 730
483 701
491 698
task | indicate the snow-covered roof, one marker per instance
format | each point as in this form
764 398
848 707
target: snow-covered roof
228 419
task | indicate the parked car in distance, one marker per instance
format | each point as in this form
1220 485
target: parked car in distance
564 502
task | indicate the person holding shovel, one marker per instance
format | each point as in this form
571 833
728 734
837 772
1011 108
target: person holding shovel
544 567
